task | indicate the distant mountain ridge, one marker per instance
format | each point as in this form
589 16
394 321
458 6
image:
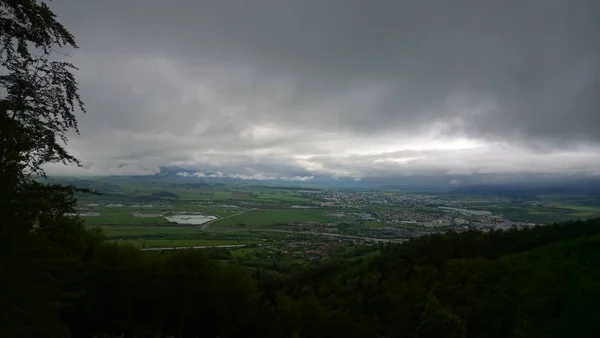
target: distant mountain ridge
580 186
498 184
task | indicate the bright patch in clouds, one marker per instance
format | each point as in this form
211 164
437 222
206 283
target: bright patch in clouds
258 177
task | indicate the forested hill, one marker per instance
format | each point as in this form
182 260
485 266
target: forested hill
541 282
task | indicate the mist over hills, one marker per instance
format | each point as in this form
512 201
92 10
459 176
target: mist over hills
504 184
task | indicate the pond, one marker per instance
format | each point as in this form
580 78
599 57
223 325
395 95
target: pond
190 219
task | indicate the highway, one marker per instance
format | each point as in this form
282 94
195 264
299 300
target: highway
195 247
381 240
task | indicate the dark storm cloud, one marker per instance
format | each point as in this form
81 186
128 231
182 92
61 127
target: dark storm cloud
196 75
536 61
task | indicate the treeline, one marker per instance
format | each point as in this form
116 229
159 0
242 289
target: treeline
541 282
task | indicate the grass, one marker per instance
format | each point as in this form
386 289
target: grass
281 197
222 195
141 231
545 213
537 212
122 218
577 208
270 217
194 195
585 214
372 224
207 198
174 243
245 252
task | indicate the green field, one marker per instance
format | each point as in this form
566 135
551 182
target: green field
111 231
554 212
222 195
543 212
274 205
281 197
270 217
141 232
125 217
244 252
174 243
372 224
576 208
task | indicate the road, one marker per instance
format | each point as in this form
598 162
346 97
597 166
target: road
381 240
196 247
205 226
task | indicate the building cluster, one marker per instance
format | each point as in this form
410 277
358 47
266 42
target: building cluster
505 225
91 206
349 199
467 212
335 199
302 249
408 217
443 217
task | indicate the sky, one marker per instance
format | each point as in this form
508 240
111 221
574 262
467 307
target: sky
336 88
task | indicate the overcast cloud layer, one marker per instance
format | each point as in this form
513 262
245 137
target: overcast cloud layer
353 88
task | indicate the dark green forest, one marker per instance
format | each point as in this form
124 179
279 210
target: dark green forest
542 282
59 279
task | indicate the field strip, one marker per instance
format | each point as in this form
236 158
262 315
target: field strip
334 235
196 247
207 224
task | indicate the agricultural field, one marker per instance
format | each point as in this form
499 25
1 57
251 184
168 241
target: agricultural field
578 209
116 231
282 197
182 243
371 224
122 217
244 252
135 211
258 218
222 195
